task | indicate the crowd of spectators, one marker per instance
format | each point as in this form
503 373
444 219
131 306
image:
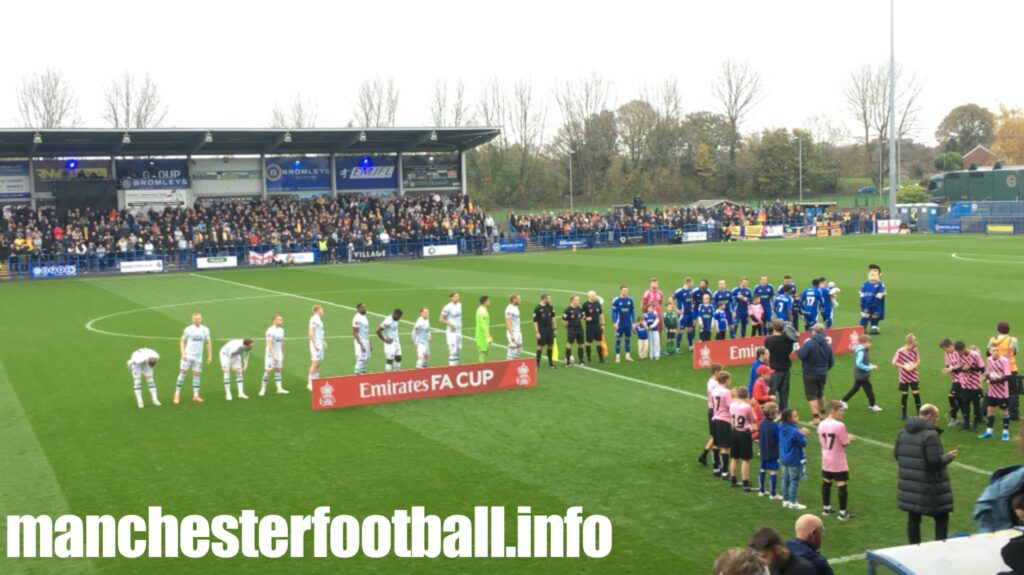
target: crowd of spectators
358 221
280 223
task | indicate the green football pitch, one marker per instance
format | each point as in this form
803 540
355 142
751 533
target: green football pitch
618 439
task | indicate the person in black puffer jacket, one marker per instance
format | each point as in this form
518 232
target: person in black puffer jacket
924 487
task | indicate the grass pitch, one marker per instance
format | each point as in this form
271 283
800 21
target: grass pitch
620 440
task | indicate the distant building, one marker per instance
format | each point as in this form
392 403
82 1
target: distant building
981 156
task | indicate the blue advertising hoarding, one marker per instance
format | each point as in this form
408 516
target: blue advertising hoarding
518 245
947 228
14 180
152 174
298 174
64 271
362 173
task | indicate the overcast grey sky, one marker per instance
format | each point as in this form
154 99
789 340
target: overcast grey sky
225 63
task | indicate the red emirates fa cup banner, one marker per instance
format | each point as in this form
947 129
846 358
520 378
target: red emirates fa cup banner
388 386
744 351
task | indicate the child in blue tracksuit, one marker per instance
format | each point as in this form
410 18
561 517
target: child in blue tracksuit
768 440
792 440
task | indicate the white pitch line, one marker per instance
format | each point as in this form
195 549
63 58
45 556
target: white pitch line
957 256
683 392
848 558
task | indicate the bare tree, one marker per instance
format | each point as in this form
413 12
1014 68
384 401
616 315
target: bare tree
737 89
377 103
131 103
492 110
867 98
453 112
302 114
526 125
578 101
47 101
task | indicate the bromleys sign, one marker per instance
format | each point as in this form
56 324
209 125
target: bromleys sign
389 386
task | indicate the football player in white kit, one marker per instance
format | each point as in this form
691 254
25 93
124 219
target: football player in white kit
317 344
274 356
421 337
234 356
193 339
361 334
513 331
141 364
451 316
388 333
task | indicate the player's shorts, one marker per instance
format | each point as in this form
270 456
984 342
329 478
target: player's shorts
997 402
770 464
742 316
193 365
810 320
685 319
546 337
138 371
836 475
625 330
741 445
871 311
955 390
392 350
230 362
722 433
593 333
970 393
316 354
912 385
767 318
454 340
711 422
827 315
422 350
574 336
515 339
269 363
814 386
361 355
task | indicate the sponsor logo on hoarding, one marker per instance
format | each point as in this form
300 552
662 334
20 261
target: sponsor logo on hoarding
744 350
363 255
445 250
386 387
508 246
142 266
295 258
217 262
54 271
695 236
947 228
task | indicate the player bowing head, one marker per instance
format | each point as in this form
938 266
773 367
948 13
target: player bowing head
274 357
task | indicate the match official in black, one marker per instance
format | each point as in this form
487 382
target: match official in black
572 317
544 328
593 317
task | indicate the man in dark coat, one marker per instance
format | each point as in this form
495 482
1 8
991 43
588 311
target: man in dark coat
816 355
924 487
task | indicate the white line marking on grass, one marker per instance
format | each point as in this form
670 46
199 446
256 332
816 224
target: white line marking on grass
848 559
960 257
682 392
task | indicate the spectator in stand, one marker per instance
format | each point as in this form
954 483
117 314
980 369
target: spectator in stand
810 533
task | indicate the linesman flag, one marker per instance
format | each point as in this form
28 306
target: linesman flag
554 350
604 346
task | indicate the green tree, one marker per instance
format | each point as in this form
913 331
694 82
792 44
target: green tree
948 161
704 165
777 159
966 127
912 194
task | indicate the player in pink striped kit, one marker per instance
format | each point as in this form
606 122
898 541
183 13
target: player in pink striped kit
907 360
833 438
721 420
952 361
998 374
741 447
710 445
970 368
